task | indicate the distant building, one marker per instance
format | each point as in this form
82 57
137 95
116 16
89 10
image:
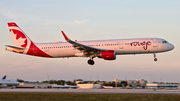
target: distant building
162 86
116 80
142 82
89 86
76 82
179 86
34 85
135 83
132 83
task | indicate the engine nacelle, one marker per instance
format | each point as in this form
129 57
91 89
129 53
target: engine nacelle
108 55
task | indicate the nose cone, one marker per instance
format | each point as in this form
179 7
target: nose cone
171 46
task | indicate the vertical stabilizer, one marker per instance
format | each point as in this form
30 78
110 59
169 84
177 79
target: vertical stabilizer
4 77
20 39
22 43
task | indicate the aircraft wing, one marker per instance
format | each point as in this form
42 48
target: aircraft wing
88 50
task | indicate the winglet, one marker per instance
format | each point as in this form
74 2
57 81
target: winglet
66 38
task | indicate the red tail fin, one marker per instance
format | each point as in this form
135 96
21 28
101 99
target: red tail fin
19 38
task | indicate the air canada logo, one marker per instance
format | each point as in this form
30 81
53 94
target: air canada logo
20 38
144 44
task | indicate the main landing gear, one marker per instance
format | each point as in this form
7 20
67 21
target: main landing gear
155 59
90 62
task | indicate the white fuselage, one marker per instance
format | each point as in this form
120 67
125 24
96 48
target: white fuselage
9 82
121 46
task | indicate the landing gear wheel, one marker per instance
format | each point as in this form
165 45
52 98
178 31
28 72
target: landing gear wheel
155 59
90 62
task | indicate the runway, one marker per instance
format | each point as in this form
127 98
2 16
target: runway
94 91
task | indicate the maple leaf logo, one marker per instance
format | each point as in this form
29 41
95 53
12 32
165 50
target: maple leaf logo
19 38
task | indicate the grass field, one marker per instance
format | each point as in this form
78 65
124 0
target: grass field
84 97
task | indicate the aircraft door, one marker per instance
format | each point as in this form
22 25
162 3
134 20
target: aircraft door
121 45
155 44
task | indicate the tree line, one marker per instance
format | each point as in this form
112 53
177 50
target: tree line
62 82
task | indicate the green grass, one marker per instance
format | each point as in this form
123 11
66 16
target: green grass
85 97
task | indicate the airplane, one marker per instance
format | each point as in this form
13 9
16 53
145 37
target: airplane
105 49
57 86
64 86
8 82
108 87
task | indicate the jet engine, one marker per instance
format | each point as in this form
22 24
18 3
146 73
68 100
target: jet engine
108 55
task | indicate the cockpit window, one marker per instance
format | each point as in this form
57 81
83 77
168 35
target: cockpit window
164 42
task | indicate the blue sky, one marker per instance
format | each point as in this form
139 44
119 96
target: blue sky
42 21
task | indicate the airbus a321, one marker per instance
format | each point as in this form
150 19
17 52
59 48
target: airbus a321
105 49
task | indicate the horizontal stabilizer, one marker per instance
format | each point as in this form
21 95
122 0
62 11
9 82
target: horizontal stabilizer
18 48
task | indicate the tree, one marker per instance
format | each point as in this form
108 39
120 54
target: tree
123 83
78 80
110 84
20 80
70 83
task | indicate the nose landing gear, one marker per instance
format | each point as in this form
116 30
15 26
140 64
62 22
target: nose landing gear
155 59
